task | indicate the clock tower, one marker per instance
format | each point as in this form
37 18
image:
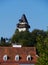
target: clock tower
23 24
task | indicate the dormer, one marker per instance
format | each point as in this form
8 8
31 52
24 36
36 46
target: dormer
17 58
5 57
29 58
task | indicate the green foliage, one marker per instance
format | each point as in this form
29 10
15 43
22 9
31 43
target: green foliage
27 38
5 44
43 52
23 38
43 58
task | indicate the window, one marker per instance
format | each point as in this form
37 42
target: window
17 57
5 57
29 57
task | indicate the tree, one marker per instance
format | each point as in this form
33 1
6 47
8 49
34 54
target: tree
43 53
23 38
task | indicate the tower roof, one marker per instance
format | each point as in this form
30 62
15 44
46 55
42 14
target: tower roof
23 19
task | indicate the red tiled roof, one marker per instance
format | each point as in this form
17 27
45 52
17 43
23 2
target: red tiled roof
23 52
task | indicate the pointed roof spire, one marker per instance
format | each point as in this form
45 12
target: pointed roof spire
23 19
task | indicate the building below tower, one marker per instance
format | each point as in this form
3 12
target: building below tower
18 56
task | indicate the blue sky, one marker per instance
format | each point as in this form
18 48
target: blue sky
11 11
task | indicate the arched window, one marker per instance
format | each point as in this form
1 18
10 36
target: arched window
5 57
17 58
29 58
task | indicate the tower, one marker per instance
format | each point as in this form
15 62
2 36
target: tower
23 24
